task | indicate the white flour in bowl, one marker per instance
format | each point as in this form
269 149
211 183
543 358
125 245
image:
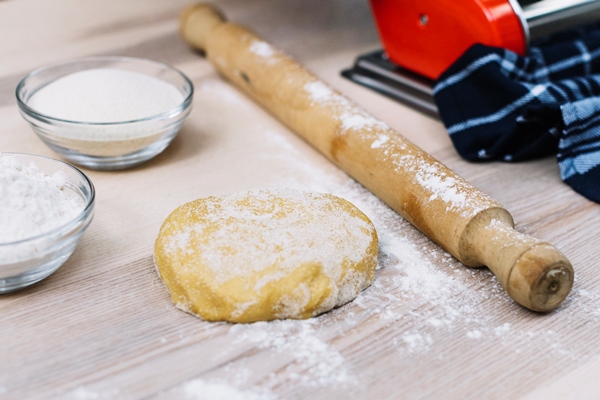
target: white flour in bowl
31 202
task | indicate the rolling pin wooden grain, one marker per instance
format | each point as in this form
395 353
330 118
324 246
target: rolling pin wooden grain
464 221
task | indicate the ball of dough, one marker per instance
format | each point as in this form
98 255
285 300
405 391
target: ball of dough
265 254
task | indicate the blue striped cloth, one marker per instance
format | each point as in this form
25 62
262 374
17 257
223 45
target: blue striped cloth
498 105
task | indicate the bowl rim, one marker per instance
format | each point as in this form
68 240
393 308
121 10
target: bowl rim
86 209
177 110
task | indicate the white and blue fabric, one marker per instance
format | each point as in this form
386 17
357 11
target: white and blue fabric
498 105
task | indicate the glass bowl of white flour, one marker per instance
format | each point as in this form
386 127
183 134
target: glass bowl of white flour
106 113
45 207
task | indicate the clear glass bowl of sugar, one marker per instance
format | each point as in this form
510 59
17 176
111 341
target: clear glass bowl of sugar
106 113
45 207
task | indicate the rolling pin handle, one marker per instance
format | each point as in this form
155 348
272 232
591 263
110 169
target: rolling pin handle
541 278
196 23
534 273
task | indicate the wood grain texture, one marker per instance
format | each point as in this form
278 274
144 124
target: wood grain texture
103 325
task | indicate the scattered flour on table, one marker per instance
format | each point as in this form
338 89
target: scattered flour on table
32 202
83 393
475 334
198 389
315 363
416 342
502 329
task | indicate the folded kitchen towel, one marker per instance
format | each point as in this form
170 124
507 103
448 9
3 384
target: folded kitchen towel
498 105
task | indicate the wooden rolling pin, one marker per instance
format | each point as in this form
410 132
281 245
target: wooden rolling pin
464 221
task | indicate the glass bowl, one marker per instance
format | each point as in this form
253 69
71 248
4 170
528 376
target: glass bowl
27 261
106 145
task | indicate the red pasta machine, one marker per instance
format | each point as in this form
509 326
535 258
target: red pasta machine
421 38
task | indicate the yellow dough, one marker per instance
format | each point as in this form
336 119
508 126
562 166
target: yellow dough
265 254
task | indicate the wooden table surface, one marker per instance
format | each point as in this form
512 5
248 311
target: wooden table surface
103 325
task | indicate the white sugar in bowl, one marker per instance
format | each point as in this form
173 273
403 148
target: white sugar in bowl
106 113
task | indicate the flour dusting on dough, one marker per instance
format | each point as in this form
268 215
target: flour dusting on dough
246 238
277 253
